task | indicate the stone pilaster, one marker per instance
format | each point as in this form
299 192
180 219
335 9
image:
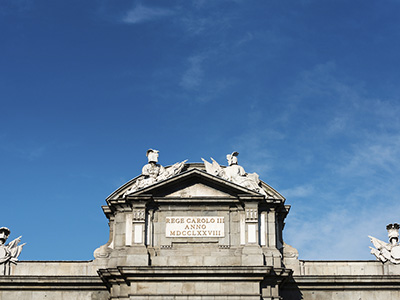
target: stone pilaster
252 253
137 254
272 255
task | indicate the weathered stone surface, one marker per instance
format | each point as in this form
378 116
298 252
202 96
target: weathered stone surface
31 287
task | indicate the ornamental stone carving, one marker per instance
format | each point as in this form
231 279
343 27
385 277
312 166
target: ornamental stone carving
235 173
8 253
138 215
251 215
388 251
154 172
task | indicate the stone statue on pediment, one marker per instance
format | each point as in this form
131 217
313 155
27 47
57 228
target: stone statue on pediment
235 173
388 251
8 253
153 172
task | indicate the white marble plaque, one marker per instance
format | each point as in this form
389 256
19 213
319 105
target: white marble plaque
138 233
242 229
252 236
262 229
197 227
128 230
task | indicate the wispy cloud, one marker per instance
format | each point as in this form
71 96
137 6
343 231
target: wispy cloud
347 188
205 25
213 90
299 191
141 13
374 155
358 172
205 3
27 149
193 76
254 149
322 80
341 233
337 124
29 153
195 25
206 18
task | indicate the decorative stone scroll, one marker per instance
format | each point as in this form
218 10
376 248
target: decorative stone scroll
388 251
235 173
154 172
8 253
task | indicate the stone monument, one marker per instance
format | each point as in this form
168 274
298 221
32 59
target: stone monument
194 230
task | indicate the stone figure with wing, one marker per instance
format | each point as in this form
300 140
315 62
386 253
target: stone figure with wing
154 172
387 251
234 173
8 253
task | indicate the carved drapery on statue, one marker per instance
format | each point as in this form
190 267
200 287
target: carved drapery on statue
235 173
388 251
8 253
154 172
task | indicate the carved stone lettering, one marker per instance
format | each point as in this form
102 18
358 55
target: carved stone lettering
194 227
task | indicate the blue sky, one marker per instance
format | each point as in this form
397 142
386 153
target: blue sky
306 91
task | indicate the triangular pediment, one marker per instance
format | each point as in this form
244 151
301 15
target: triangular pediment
197 190
193 184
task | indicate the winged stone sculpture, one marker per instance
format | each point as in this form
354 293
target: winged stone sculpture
387 251
214 168
173 170
154 172
235 173
8 253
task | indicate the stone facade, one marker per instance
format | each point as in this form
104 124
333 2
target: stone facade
195 234
192 235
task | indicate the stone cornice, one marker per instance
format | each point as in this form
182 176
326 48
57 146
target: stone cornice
202 273
340 282
51 282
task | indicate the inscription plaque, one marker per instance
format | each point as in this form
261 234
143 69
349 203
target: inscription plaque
185 227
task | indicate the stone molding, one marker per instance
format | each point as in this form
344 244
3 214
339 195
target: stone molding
340 282
193 273
27 282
